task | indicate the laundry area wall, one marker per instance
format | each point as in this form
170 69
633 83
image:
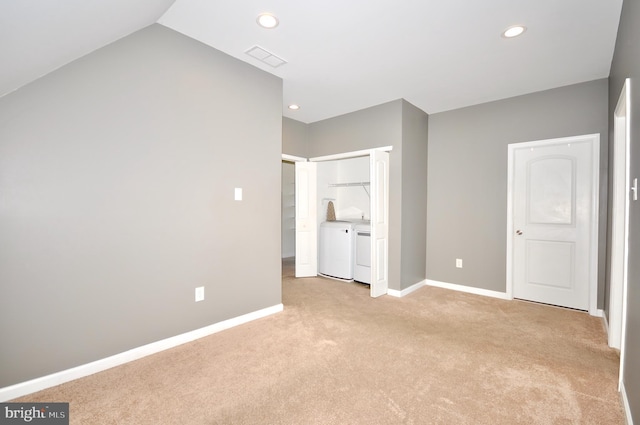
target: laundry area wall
338 182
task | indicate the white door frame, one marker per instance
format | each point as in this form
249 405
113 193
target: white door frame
594 139
347 155
618 279
293 158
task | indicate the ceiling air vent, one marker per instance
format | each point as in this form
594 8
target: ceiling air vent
265 56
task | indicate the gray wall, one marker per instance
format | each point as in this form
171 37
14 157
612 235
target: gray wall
467 176
117 175
626 64
295 138
415 124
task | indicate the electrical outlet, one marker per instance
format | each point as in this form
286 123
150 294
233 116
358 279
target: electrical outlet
199 293
459 263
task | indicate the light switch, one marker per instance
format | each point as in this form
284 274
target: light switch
199 293
238 195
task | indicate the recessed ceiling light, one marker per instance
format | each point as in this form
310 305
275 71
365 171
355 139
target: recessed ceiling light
294 107
513 31
267 20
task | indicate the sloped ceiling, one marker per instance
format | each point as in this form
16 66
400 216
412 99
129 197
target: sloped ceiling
39 36
342 55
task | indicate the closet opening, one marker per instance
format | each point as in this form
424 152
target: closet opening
352 188
288 214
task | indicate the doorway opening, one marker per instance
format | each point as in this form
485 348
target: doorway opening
288 214
288 197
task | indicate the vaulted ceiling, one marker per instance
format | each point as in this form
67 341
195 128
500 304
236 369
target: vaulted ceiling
342 56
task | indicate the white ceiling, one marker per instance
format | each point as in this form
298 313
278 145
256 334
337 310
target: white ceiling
342 55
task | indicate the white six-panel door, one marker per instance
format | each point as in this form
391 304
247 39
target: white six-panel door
554 210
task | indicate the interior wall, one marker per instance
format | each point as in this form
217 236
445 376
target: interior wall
415 130
626 64
295 138
353 202
327 172
467 176
117 177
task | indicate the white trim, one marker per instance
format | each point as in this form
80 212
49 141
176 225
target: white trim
594 139
469 289
623 342
354 154
292 158
595 222
38 384
619 256
510 184
598 313
625 403
406 291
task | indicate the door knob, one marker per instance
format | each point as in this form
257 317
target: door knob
518 232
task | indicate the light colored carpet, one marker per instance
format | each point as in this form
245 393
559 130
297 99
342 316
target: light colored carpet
337 356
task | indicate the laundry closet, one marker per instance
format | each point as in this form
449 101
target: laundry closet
344 214
353 187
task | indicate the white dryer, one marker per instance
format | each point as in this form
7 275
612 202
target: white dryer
335 254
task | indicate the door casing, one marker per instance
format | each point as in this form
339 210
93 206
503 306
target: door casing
620 224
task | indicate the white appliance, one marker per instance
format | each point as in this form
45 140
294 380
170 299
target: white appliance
362 257
336 249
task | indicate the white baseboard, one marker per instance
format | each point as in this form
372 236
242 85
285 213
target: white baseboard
469 289
38 384
625 404
406 291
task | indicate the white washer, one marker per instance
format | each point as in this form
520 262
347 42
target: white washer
335 256
362 257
